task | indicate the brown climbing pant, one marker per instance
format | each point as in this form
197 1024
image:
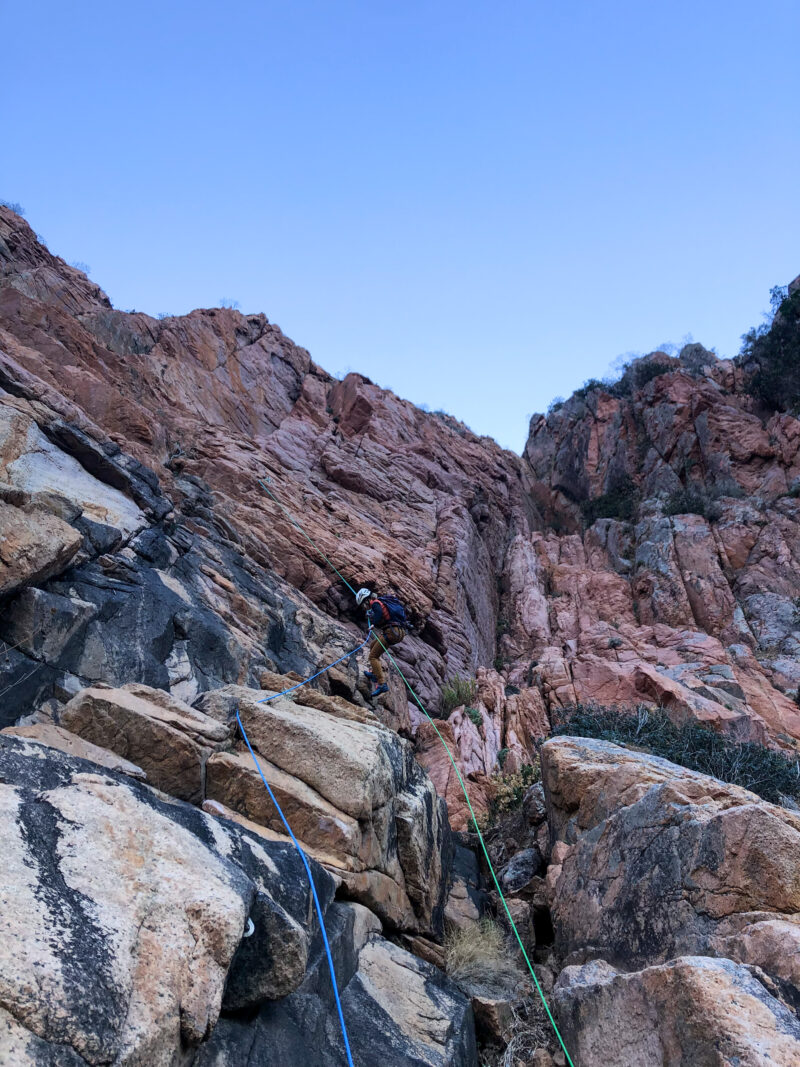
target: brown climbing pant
391 635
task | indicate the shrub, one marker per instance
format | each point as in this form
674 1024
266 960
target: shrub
687 501
615 642
697 500
764 771
502 756
84 268
479 959
645 370
530 1031
12 205
475 716
775 350
510 789
588 387
457 692
620 502
637 373
226 303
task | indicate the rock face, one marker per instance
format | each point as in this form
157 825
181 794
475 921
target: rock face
124 913
138 544
352 793
168 739
643 550
671 893
693 1010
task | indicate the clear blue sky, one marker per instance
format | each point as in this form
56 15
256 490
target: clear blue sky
477 204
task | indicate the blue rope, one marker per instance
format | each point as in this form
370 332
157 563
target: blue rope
300 685
313 889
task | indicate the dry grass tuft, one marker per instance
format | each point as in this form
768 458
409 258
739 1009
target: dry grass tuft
481 961
531 1030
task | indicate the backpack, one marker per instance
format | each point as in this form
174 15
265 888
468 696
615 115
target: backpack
394 614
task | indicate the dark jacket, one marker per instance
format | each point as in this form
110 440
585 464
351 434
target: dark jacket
376 615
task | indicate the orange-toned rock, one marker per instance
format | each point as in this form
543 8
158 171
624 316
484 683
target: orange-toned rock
693 1010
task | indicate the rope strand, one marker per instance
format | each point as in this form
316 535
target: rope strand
460 780
317 904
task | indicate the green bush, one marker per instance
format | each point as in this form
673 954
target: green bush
590 386
644 372
510 789
457 692
475 716
763 771
775 349
637 373
697 500
686 501
620 502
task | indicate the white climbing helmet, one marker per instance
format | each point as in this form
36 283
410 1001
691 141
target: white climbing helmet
362 595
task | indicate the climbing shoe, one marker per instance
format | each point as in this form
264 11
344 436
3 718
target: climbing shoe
381 689
370 676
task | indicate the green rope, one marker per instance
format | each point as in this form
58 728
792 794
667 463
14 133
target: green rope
302 531
455 768
485 851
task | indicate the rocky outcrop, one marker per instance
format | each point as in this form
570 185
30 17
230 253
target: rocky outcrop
670 890
405 1012
125 915
148 437
349 786
168 739
643 550
352 793
684 597
692 1010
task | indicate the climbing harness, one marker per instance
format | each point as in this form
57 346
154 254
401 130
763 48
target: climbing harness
317 904
421 706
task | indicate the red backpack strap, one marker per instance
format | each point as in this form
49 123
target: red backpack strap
384 610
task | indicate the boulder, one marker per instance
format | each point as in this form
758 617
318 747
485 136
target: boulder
56 737
676 905
34 545
664 855
519 873
351 791
170 740
399 1012
124 914
691 1012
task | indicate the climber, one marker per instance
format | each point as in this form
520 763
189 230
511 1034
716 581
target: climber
387 618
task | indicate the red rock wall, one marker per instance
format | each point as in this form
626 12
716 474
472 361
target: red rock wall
692 613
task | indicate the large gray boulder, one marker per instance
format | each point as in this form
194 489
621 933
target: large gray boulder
124 914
